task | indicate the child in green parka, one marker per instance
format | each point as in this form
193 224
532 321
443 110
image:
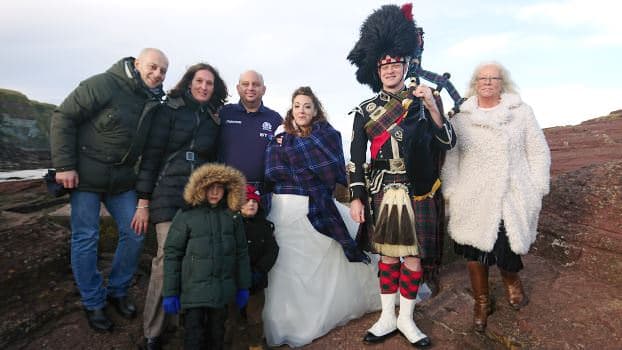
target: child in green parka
206 262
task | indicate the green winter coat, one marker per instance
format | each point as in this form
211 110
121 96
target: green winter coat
205 255
101 127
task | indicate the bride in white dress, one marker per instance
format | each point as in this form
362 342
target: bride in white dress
313 287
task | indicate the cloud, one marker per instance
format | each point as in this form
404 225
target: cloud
570 104
62 42
494 45
482 45
608 39
598 20
598 13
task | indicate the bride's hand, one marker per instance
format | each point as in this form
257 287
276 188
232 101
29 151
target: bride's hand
357 211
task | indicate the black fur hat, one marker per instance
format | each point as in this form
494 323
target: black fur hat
388 31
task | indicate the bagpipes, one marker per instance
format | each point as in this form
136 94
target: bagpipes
390 34
416 72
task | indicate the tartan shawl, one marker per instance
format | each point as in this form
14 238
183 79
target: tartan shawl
312 166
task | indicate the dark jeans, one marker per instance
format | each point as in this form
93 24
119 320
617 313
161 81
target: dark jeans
204 328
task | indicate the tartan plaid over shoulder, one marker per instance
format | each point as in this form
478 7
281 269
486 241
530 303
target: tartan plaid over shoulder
312 166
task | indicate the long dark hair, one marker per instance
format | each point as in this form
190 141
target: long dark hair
219 97
288 124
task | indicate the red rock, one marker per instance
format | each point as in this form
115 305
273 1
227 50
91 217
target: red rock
572 275
594 141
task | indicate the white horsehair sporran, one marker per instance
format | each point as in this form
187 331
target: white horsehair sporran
394 233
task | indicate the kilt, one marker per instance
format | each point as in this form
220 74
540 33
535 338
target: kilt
428 233
427 225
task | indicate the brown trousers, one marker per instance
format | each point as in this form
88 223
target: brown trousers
154 318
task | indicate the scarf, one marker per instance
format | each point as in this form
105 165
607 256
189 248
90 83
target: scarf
312 166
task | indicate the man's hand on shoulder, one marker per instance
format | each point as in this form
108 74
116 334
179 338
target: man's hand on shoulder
69 179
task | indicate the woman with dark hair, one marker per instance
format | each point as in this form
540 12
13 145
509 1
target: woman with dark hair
321 278
218 92
182 138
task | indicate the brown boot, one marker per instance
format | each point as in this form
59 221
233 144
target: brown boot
479 283
514 289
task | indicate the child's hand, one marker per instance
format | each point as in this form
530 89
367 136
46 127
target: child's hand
171 304
241 298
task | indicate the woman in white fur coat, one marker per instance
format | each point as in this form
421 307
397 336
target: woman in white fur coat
494 180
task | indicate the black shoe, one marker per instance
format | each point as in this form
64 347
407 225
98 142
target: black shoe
125 307
422 343
153 343
98 320
372 338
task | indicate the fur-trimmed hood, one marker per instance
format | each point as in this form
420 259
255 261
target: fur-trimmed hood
208 174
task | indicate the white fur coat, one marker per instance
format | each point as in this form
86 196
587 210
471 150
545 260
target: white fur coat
499 170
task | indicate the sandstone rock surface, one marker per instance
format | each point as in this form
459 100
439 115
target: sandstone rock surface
572 275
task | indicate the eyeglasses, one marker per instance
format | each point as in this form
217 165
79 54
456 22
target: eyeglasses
488 79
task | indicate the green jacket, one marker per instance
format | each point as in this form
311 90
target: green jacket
101 127
205 255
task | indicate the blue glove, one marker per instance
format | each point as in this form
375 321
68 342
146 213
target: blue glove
241 298
171 304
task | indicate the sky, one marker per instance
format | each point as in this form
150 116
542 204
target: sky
563 55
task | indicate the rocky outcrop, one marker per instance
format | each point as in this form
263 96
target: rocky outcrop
39 303
24 132
581 219
33 260
595 141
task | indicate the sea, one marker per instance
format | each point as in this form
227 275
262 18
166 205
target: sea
18 175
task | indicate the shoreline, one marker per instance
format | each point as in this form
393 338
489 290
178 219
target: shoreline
19 175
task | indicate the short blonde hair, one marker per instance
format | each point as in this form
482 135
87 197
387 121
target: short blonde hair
507 84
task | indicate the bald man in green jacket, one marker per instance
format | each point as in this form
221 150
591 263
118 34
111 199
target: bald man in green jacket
97 135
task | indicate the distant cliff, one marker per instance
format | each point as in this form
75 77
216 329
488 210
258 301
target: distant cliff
24 131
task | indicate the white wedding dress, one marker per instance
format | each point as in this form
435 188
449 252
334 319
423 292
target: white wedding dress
312 287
